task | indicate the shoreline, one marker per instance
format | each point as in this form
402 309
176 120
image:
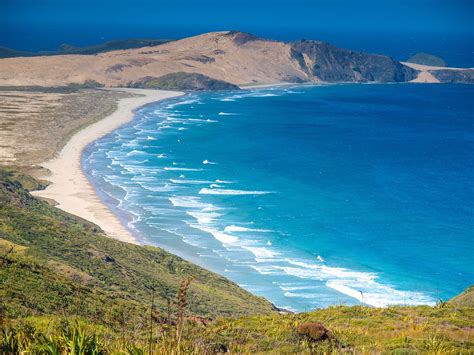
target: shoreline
69 186
188 255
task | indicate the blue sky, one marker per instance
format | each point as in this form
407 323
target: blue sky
418 15
44 24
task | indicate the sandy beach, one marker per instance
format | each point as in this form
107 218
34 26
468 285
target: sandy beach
69 186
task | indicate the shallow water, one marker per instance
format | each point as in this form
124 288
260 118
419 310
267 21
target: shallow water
309 196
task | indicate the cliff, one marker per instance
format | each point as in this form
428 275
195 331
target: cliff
331 64
228 58
454 76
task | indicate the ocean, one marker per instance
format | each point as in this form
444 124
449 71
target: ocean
310 196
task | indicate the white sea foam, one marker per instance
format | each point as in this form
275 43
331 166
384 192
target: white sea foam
261 94
132 143
192 202
227 113
266 269
144 178
135 152
362 286
138 170
164 188
224 238
170 168
261 252
302 295
297 288
201 120
233 228
223 182
183 102
190 182
206 191
379 295
204 218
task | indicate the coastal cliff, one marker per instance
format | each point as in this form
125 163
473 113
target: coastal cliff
325 62
215 60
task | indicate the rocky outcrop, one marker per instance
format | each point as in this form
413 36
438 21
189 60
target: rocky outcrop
465 76
332 64
240 38
184 82
427 59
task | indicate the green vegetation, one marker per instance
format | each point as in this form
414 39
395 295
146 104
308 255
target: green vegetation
65 288
183 81
93 49
53 262
427 59
445 329
465 299
66 89
20 175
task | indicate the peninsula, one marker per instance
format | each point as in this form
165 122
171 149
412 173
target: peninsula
231 57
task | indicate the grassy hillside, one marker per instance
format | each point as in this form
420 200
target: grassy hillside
184 82
66 288
444 329
55 263
465 299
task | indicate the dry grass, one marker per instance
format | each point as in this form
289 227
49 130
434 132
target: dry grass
36 123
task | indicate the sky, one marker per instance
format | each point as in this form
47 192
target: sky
45 24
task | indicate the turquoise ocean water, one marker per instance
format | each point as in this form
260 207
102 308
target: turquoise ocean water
308 195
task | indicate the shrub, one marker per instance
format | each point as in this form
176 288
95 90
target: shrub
314 331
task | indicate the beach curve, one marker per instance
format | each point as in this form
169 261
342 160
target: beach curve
69 186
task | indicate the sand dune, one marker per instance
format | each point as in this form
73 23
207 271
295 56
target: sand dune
216 54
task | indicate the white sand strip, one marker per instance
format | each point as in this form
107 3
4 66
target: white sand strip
69 186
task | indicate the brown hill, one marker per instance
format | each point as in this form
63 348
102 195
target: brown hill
233 57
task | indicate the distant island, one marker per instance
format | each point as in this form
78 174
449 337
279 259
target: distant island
427 59
87 50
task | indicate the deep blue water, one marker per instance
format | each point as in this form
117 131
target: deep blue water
309 196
